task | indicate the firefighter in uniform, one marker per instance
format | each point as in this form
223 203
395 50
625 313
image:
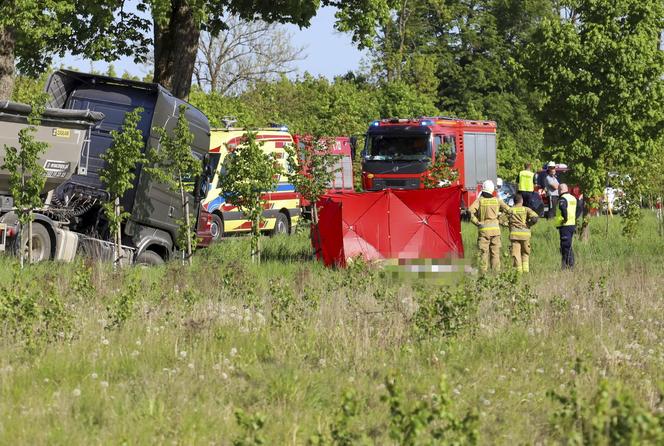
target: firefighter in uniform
566 224
484 213
520 221
526 185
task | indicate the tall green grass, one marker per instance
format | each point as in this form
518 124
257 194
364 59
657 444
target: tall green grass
286 340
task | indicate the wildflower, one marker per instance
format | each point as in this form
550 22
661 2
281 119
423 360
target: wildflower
183 354
104 384
492 391
540 371
456 391
321 362
191 365
93 376
138 342
201 377
76 392
134 353
105 341
486 402
46 380
224 376
233 351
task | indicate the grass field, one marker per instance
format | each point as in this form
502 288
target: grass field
290 352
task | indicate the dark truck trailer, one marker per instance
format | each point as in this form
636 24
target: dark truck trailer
152 228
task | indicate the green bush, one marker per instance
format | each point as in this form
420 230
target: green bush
610 416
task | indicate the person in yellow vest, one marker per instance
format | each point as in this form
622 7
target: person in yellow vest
520 221
566 224
526 185
484 213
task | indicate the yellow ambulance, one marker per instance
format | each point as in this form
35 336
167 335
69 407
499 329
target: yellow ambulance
282 211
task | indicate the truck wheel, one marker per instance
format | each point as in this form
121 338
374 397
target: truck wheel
216 228
41 243
149 258
282 225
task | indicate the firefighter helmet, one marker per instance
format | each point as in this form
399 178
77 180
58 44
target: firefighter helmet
488 187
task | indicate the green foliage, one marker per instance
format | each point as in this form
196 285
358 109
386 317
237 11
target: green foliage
445 312
27 176
440 173
610 416
81 282
429 417
119 173
33 313
599 70
176 166
311 169
341 430
251 425
28 89
39 29
122 307
510 296
248 172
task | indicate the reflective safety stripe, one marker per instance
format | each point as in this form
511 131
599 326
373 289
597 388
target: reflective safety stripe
489 227
520 232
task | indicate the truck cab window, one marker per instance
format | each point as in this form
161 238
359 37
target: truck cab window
446 145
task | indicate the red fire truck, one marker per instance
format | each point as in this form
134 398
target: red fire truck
343 175
399 152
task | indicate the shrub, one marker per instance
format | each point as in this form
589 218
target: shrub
609 417
33 313
444 311
430 418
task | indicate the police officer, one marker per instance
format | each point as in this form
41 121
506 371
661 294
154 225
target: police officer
566 224
520 221
484 213
526 185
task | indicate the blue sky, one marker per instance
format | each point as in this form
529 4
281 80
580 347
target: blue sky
327 52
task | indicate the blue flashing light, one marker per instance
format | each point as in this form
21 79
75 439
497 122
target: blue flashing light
426 122
375 124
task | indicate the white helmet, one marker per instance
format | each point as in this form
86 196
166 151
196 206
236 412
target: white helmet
488 187
499 182
550 164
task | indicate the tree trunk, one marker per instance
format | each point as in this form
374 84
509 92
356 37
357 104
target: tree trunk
118 238
30 238
187 221
7 45
21 243
256 241
175 49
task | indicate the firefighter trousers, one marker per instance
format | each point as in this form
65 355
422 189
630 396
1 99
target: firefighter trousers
489 251
520 250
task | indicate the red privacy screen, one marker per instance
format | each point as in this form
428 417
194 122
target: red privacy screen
389 224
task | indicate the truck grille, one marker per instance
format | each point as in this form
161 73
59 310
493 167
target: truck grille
396 183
